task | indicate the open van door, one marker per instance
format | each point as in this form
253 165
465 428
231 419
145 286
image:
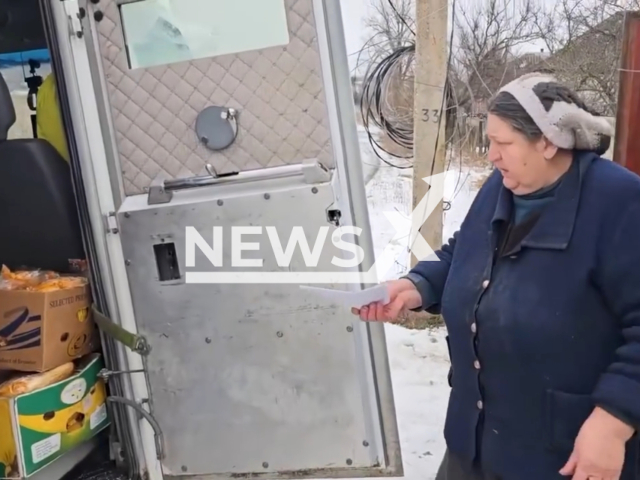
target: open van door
198 121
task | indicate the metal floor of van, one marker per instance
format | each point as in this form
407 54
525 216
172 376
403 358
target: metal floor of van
96 466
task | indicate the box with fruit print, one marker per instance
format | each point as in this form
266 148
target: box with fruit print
38 427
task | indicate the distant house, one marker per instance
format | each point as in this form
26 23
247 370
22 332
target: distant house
589 63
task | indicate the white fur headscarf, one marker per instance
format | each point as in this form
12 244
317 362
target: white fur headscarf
566 125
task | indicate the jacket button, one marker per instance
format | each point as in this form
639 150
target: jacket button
485 284
473 327
476 364
479 404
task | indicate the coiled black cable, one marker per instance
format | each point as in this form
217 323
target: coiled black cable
371 107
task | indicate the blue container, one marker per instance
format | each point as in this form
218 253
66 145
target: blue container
19 58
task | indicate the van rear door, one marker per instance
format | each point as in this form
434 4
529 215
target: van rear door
215 133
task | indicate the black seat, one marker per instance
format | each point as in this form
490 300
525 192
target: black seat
38 214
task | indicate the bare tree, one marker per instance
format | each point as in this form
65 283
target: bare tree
489 34
392 25
584 39
486 55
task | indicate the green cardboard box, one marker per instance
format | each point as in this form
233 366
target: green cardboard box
39 427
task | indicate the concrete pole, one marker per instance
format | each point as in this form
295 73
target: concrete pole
429 108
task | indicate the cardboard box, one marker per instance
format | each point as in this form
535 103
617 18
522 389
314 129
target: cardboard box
39 427
40 331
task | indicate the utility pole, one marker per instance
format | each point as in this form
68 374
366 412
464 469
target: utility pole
429 149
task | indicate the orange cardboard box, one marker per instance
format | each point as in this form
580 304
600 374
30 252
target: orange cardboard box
42 330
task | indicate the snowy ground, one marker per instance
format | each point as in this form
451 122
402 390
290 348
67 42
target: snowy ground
419 358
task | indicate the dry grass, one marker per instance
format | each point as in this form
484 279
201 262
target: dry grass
420 320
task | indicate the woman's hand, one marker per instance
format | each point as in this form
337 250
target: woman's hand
402 295
598 453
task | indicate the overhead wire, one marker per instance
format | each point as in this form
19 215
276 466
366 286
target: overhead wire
382 81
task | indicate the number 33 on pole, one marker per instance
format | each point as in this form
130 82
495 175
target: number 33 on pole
430 115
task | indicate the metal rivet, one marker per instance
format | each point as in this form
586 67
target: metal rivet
265 465
127 214
314 190
208 340
365 443
267 196
220 202
114 230
184 468
349 461
280 334
349 329
127 262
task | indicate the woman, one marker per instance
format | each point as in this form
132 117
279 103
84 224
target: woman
540 293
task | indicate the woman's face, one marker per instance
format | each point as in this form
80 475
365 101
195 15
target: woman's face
524 164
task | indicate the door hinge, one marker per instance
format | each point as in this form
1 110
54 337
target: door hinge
111 223
75 16
136 343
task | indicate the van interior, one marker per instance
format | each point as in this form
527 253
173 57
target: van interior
40 203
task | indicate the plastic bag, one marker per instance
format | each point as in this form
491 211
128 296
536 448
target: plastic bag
62 283
38 280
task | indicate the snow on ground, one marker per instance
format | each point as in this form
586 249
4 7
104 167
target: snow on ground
419 358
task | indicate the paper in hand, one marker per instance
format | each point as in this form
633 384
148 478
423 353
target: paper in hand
352 299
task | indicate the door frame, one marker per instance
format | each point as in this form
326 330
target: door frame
89 141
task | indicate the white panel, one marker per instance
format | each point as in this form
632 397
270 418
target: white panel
158 32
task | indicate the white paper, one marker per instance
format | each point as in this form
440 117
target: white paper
355 298
45 448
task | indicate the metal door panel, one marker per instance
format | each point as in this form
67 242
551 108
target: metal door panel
266 376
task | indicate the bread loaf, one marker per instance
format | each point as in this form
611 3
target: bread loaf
31 383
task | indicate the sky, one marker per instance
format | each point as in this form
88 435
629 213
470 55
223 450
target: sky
353 14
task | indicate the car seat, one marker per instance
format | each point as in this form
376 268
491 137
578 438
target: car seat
38 214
